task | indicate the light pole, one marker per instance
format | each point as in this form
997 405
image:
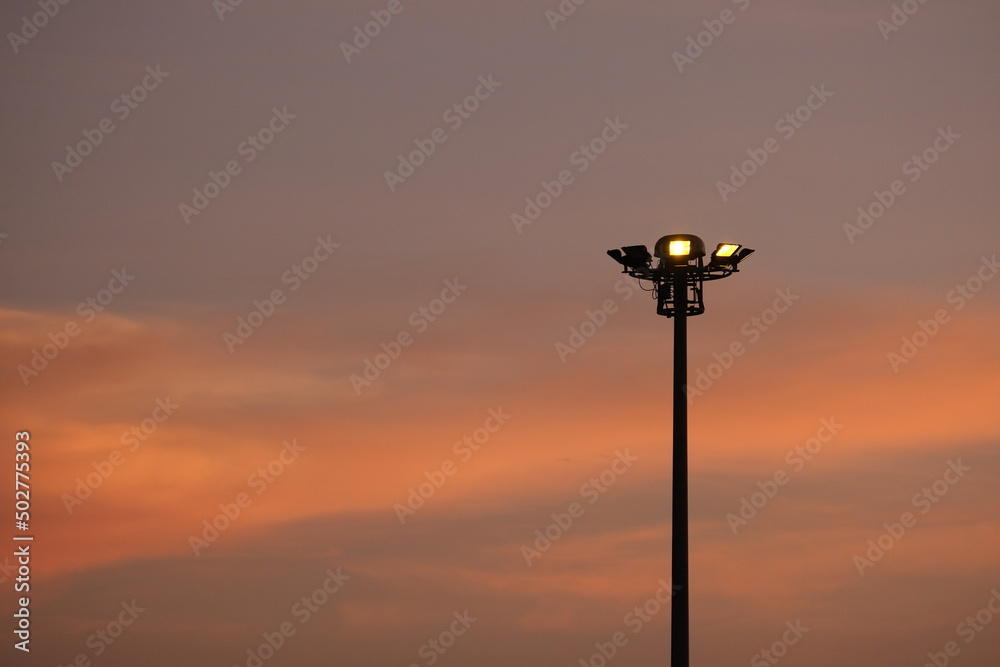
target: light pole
677 281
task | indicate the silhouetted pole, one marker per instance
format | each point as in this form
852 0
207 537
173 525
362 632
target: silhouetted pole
681 267
680 650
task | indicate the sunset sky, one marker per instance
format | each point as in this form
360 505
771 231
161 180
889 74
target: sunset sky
314 332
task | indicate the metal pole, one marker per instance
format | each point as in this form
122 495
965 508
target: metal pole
680 654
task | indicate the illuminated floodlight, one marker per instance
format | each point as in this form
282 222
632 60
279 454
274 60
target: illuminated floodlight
726 250
680 248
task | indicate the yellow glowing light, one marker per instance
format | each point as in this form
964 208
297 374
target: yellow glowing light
726 249
680 248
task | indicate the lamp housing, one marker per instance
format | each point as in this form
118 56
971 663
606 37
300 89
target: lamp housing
726 254
679 249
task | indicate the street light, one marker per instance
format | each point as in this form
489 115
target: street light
678 279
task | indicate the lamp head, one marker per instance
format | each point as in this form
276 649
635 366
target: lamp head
728 256
632 256
725 255
679 249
